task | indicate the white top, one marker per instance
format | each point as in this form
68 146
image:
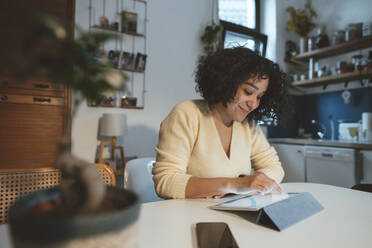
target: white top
346 221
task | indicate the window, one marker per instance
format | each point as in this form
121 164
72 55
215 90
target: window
241 26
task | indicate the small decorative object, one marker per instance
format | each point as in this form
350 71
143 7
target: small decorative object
128 101
356 60
140 62
367 29
346 96
321 39
103 22
354 31
338 37
114 26
290 49
113 57
127 61
211 38
301 23
128 22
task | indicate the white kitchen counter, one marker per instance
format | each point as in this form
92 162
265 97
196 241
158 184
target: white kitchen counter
324 142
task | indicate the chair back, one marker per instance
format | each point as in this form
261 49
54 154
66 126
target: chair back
15 183
138 178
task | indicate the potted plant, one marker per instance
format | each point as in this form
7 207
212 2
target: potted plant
81 211
301 22
211 37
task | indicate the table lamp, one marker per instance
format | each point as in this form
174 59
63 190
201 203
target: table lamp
112 125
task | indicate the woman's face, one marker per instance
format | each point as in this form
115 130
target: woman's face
247 98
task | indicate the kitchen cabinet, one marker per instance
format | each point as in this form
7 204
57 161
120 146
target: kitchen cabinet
334 50
293 162
366 158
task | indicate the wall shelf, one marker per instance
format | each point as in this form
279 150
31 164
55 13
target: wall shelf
335 50
111 106
117 32
344 77
127 53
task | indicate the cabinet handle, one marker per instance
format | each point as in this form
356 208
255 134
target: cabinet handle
39 99
327 155
42 86
4 98
299 151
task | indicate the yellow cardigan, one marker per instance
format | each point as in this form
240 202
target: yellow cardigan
189 145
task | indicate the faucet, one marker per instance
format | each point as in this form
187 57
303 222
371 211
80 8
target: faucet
321 129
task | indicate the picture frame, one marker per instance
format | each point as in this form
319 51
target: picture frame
114 57
140 63
128 22
127 61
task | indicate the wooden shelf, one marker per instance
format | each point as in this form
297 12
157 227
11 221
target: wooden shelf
117 32
344 77
108 106
335 50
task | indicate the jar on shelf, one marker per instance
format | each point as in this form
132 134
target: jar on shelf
310 44
338 37
356 60
354 31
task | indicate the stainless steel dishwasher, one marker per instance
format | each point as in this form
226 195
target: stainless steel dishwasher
330 165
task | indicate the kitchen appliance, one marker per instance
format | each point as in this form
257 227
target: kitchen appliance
348 131
366 127
330 165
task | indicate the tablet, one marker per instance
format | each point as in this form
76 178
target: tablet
252 202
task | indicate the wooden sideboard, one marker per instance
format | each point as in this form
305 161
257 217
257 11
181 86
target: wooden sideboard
33 112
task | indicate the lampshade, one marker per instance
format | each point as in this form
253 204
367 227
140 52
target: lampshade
113 125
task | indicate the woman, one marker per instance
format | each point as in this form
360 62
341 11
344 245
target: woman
208 147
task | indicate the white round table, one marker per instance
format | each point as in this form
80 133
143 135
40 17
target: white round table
346 221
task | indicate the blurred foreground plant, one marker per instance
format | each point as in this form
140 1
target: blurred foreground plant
51 53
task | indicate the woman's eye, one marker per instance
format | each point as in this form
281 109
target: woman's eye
248 93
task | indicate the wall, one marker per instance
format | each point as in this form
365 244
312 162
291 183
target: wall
317 103
174 28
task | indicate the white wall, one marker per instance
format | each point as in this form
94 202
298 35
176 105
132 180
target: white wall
173 47
336 15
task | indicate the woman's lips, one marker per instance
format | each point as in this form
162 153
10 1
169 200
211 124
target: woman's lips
245 112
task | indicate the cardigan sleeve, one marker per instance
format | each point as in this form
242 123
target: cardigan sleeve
176 140
264 157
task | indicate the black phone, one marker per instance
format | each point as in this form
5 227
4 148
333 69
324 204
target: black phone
214 235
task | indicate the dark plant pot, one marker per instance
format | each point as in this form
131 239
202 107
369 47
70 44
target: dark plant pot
116 228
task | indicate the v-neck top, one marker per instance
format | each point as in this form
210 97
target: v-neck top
189 145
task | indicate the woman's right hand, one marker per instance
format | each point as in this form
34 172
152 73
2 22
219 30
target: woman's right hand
258 181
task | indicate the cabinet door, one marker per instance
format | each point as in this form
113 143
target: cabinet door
367 166
293 162
29 134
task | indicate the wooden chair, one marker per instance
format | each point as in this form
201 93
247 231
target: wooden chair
15 183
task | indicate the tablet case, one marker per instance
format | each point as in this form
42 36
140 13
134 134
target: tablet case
288 212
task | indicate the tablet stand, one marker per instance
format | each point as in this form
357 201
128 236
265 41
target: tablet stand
288 212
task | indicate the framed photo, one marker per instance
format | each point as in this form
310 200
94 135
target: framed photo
140 62
114 57
127 61
128 22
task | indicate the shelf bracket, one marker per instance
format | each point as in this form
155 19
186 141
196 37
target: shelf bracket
361 82
346 84
325 86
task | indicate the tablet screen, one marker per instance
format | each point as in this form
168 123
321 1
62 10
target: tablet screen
252 203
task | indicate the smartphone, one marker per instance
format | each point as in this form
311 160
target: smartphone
214 235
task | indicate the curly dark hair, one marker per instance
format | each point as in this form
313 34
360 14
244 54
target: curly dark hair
219 75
